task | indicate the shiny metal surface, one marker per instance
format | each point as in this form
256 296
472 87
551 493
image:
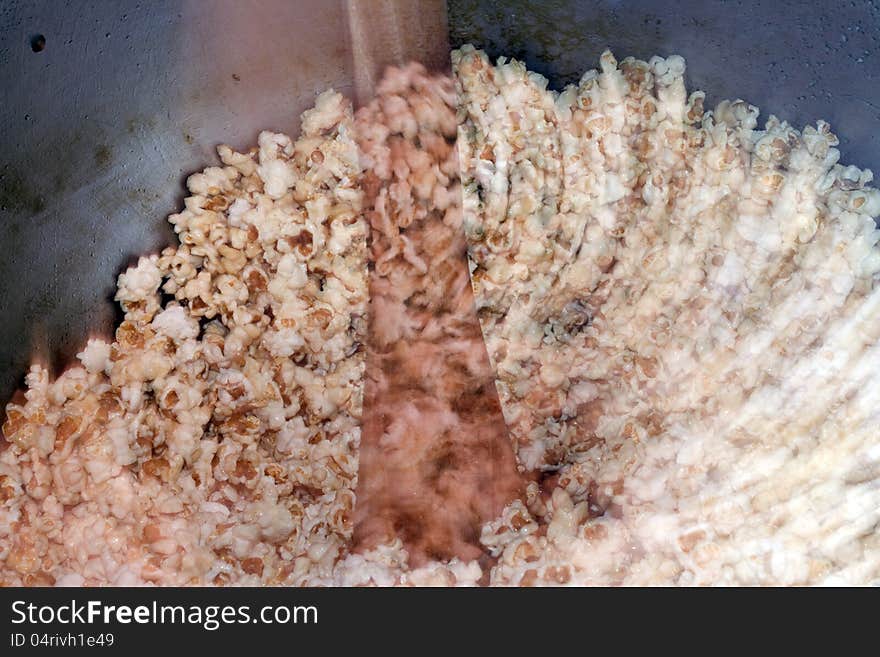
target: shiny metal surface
100 128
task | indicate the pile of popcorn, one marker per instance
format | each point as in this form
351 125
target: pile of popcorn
681 313
216 439
436 461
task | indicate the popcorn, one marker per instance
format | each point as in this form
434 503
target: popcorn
667 295
139 282
96 356
435 461
184 452
681 315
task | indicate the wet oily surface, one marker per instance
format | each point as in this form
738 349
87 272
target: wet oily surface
435 462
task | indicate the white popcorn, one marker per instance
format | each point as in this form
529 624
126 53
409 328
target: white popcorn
698 305
278 176
330 109
96 356
141 281
176 324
